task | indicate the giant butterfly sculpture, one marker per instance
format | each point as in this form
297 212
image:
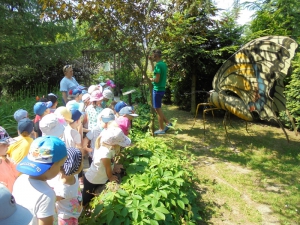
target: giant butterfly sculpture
251 80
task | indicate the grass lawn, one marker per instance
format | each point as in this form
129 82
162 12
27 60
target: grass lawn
251 179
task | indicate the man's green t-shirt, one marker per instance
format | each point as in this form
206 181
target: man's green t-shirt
162 69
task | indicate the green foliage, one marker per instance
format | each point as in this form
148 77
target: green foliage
141 123
276 17
156 188
126 76
194 58
292 94
33 48
22 99
138 96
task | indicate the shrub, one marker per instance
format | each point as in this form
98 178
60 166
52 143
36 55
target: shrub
157 188
23 99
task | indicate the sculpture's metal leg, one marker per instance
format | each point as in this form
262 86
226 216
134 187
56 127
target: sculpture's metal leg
204 104
224 124
196 113
230 119
204 112
280 124
247 127
292 121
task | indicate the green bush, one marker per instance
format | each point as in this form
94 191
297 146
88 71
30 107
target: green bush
23 99
139 96
292 95
157 188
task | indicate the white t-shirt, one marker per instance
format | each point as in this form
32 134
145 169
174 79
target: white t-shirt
92 136
71 137
70 206
36 196
96 174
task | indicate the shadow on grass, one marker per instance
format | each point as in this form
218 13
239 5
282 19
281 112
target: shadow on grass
264 149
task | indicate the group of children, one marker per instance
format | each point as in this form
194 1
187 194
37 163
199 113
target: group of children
42 167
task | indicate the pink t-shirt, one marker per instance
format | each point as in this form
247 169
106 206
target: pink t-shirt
8 173
124 123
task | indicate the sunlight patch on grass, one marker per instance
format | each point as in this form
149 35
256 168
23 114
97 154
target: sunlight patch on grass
273 183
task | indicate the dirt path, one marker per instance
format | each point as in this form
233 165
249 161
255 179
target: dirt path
225 202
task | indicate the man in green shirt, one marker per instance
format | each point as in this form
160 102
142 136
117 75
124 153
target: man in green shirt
159 86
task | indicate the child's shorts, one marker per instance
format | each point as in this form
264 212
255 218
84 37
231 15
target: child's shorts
157 97
70 221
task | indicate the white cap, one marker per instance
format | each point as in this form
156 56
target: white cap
93 88
108 94
128 110
108 88
52 125
72 105
114 136
86 97
106 116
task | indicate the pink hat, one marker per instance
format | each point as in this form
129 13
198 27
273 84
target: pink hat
124 124
114 136
110 83
96 96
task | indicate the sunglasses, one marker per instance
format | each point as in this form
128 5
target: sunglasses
66 67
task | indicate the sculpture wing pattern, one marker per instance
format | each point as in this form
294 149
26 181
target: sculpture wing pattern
255 75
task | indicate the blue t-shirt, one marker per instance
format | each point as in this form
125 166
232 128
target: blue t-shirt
67 84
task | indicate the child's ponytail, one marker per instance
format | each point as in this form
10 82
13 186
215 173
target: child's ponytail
97 142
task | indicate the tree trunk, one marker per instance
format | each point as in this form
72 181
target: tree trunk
153 113
193 94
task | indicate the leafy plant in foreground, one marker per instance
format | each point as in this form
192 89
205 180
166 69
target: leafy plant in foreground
157 189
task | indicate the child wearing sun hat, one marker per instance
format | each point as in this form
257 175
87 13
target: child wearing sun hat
19 150
75 94
106 115
118 106
72 135
10 212
67 190
54 99
20 114
64 113
94 109
52 125
100 171
46 156
40 109
8 173
127 114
